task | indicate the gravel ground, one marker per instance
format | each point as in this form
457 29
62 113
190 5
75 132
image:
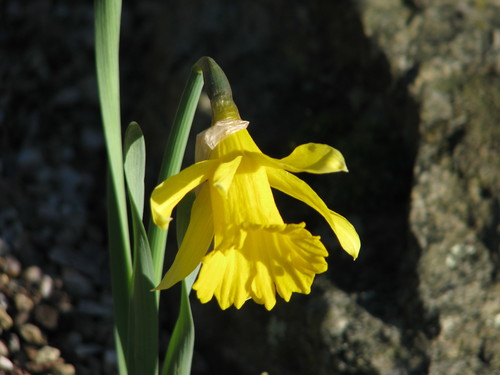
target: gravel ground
55 305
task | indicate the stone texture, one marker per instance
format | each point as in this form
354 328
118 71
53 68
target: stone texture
432 305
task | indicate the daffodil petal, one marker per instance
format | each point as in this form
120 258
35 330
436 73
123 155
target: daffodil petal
196 241
224 274
346 233
169 193
298 189
314 158
224 173
298 257
210 276
273 258
310 157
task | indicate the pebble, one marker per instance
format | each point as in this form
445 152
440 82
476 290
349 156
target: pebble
47 354
4 350
32 334
63 369
6 364
23 302
46 286
47 316
12 266
4 280
32 274
76 284
21 318
5 320
14 343
4 303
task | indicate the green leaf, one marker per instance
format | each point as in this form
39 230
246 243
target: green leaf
172 159
180 348
135 164
183 216
107 35
142 347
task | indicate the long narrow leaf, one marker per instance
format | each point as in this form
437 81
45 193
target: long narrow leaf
180 348
172 159
135 164
183 215
107 32
142 353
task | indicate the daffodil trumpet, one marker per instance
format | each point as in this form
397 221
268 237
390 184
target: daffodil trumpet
254 253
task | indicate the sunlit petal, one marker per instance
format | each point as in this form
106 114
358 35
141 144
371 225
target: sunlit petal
229 287
196 241
282 258
170 192
224 174
310 157
298 189
235 143
314 158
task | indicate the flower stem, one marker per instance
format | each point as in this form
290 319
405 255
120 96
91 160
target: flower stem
218 90
172 159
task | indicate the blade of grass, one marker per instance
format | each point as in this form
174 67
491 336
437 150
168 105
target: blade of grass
107 33
172 159
180 347
142 354
179 355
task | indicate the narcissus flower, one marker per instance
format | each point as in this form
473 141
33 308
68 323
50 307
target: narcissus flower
255 253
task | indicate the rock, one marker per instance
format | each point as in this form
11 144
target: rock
4 281
5 320
33 274
4 350
4 303
64 369
6 364
23 302
21 317
32 334
453 220
12 266
46 286
76 283
47 316
14 343
47 354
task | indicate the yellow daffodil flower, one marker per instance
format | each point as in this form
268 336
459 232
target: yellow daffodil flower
255 253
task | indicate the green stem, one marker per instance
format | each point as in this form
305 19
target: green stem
172 159
107 35
218 90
